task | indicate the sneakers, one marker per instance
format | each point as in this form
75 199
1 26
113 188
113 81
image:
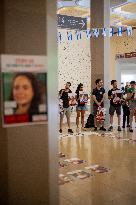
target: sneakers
119 128
60 131
110 128
126 126
103 128
130 130
70 131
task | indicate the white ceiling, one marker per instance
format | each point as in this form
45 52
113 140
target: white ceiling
123 12
86 3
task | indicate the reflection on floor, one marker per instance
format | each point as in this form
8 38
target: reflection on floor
115 187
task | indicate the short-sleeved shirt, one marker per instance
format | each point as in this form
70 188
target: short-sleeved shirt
84 101
98 94
116 97
65 98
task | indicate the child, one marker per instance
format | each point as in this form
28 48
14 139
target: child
126 112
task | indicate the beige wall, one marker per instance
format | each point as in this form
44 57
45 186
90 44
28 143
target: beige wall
74 58
74 61
119 45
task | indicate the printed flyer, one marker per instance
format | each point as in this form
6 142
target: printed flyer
24 89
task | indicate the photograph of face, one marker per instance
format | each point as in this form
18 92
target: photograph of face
25 97
23 92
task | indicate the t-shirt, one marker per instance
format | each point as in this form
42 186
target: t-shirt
65 97
116 97
98 94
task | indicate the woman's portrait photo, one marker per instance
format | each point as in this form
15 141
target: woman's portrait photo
25 97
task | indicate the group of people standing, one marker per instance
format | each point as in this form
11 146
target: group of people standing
118 99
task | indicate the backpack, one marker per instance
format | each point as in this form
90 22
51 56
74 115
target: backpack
90 121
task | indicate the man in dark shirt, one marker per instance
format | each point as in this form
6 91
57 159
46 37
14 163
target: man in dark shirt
64 96
114 96
98 98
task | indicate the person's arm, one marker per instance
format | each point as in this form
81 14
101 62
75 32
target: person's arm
122 97
110 95
104 97
61 92
77 96
95 100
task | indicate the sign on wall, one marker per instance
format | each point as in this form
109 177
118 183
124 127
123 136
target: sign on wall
24 89
72 22
126 55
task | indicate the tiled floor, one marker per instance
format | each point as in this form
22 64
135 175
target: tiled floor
117 187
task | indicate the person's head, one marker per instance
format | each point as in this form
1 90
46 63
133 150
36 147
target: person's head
132 84
79 87
68 84
114 83
25 90
99 83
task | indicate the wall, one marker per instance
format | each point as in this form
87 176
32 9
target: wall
120 45
128 76
24 165
74 63
128 71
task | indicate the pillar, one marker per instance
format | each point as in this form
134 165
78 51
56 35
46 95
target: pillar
100 47
27 155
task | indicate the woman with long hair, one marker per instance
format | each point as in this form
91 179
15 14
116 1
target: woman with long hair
26 94
81 106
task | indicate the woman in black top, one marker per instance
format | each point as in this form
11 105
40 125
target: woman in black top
81 107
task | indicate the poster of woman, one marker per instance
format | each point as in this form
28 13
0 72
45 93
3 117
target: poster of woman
24 86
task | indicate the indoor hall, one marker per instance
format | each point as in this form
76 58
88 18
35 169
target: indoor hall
97 167
85 41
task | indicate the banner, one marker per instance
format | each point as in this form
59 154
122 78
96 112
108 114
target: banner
95 33
126 55
24 90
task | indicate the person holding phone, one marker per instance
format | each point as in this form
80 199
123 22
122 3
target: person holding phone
64 97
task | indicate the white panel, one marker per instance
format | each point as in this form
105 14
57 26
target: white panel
74 61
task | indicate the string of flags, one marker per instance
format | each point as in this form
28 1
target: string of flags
95 33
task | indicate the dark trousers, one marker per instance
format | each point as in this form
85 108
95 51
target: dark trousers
126 113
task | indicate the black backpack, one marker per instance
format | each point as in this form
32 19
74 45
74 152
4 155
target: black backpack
90 121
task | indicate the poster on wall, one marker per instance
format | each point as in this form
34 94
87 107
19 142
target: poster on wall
24 90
